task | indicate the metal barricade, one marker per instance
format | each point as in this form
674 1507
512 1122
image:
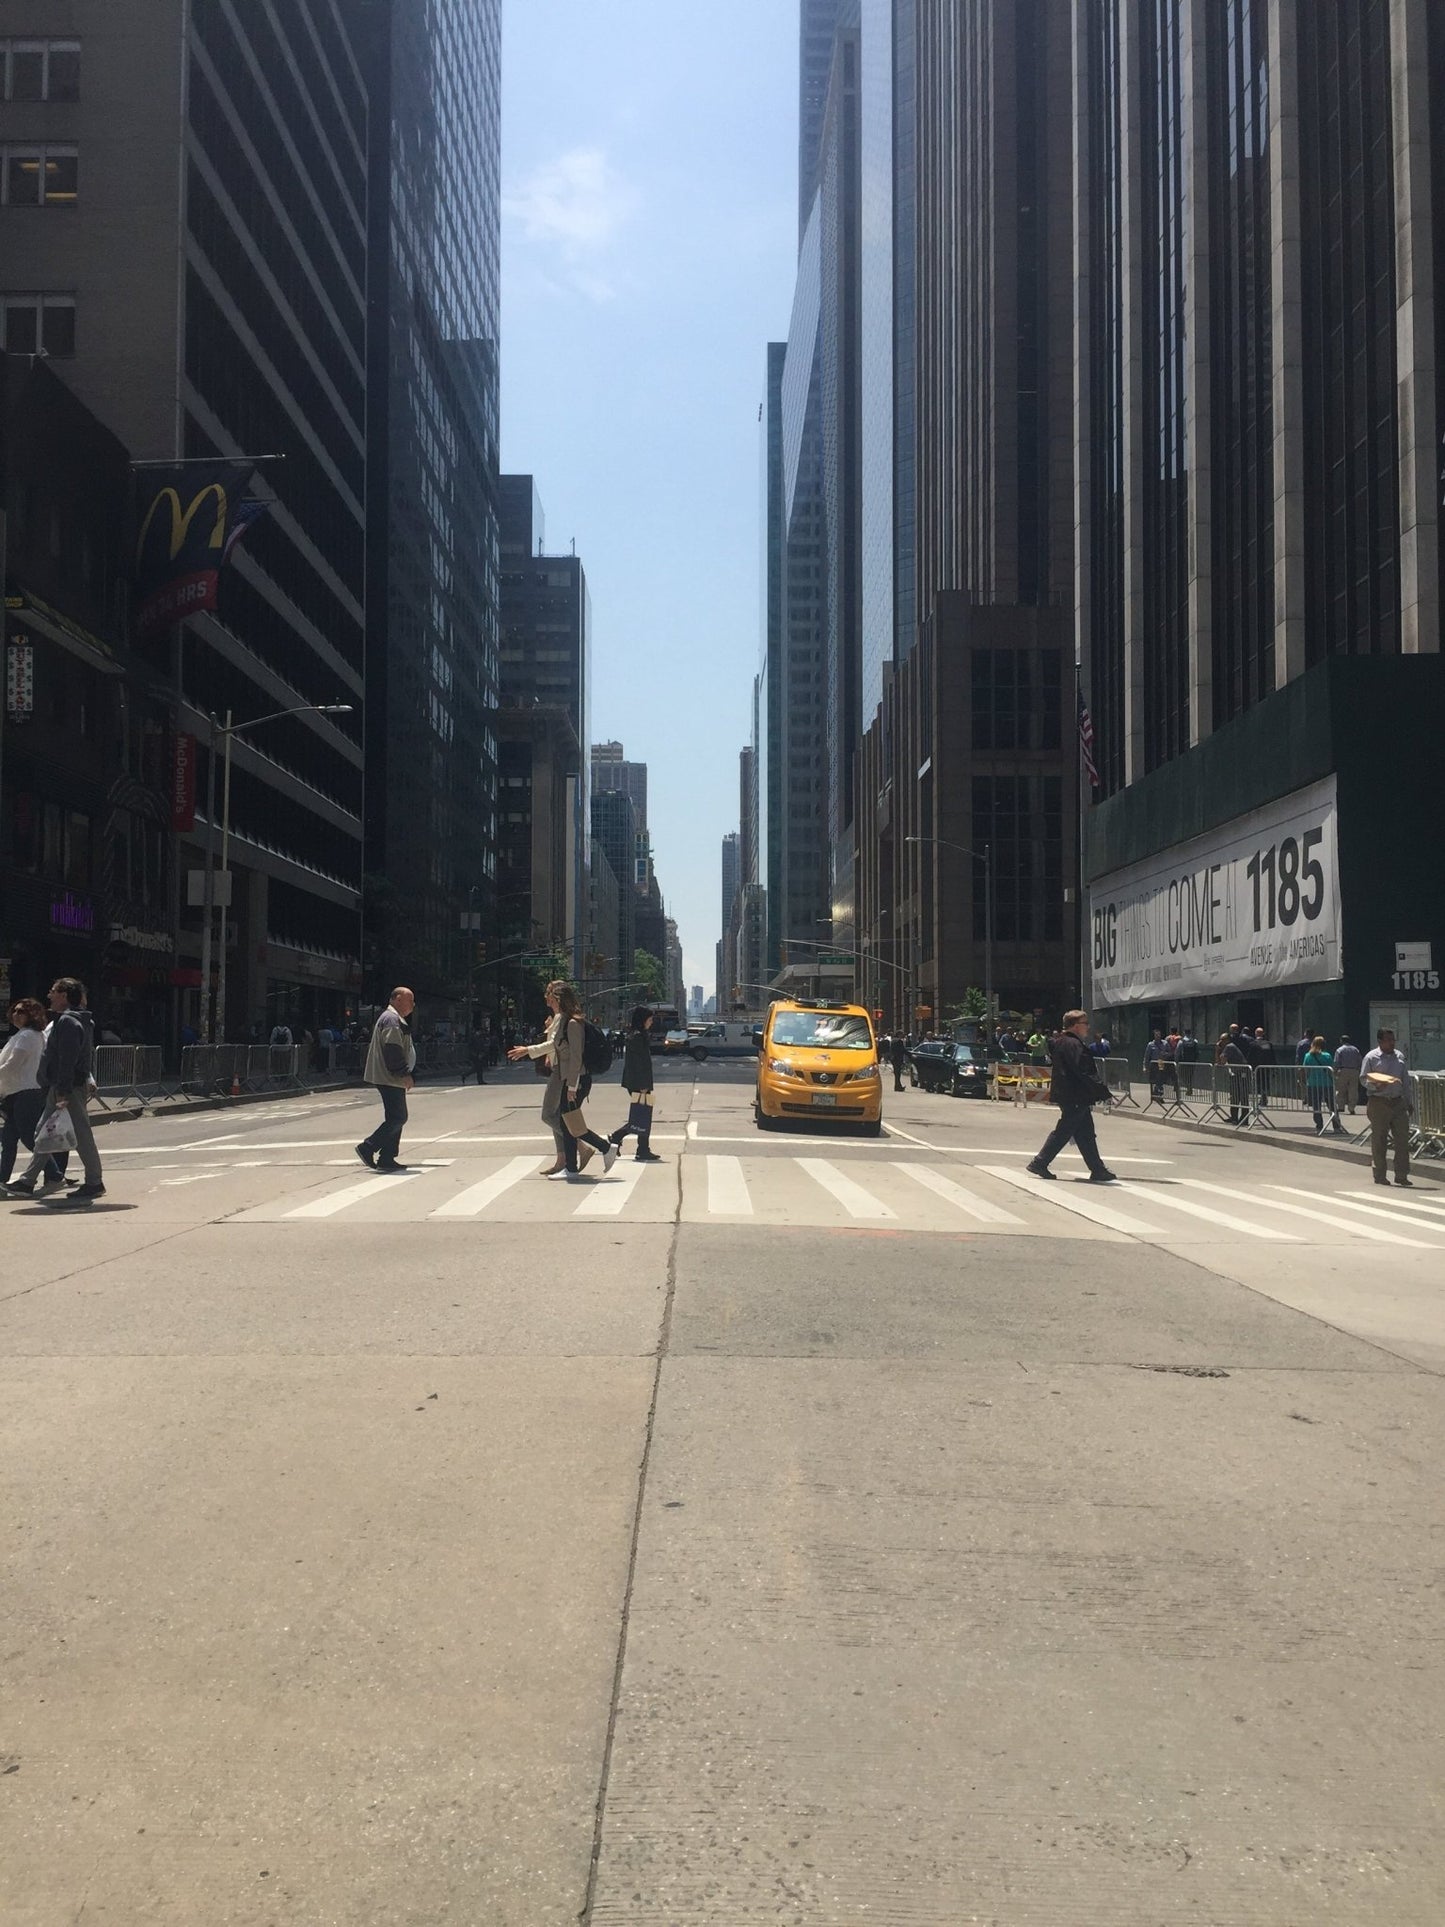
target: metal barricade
113 1068
1283 1091
1225 1091
1118 1080
1427 1140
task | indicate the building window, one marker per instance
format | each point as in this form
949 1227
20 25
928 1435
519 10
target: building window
39 176
40 69
1241 356
37 324
1347 230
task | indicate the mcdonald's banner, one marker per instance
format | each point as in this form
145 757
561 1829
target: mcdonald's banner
191 518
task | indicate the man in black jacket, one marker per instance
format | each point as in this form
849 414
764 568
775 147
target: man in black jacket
65 1076
1076 1088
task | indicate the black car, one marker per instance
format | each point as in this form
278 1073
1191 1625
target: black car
970 1071
957 1069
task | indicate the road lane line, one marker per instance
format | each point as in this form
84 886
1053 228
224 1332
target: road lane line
475 1199
1160 1194
857 1202
1315 1216
727 1189
610 1195
976 1207
328 1207
895 1130
1070 1199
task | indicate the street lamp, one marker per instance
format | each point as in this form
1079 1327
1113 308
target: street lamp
985 857
228 729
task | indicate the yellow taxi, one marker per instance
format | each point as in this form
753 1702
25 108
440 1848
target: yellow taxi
819 1061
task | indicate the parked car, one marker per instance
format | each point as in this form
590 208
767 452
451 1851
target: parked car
956 1069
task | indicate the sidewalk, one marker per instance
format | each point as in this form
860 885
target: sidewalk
1290 1127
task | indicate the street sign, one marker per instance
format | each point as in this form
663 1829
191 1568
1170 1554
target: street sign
835 957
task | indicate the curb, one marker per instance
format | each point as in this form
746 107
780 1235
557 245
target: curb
194 1106
1277 1141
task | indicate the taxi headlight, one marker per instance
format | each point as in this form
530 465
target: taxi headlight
782 1068
865 1076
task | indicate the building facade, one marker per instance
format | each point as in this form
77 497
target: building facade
432 561
545 664
612 771
201 271
1258 591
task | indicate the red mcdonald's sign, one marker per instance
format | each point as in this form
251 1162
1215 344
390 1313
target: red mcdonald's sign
183 783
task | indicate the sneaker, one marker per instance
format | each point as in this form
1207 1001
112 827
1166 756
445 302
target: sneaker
575 1177
367 1157
1041 1171
86 1194
609 1157
20 1188
1103 1177
650 1157
389 1164
1405 1184
559 1177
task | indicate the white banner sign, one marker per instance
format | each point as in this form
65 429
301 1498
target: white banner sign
1251 906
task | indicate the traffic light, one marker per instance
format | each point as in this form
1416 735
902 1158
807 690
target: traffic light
481 953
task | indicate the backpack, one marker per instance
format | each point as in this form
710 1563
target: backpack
596 1050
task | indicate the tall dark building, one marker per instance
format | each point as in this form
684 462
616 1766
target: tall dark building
973 747
432 651
546 623
183 225
1259 392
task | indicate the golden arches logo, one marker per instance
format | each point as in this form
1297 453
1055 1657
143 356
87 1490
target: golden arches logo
181 518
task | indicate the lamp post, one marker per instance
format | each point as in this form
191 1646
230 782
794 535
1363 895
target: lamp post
985 857
228 730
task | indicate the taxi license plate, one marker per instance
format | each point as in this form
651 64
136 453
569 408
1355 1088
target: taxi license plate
820 1097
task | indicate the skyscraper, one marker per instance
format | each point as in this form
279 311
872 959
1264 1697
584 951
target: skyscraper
1260 367
612 771
432 669
183 227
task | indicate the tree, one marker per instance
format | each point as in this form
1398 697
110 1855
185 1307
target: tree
649 975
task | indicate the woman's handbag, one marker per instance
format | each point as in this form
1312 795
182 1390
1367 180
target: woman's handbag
56 1134
639 1113
573 1118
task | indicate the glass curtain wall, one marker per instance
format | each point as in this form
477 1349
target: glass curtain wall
1104 189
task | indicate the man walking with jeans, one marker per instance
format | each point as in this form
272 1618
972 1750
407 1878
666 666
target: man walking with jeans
390 1061
1076 1088
64 1076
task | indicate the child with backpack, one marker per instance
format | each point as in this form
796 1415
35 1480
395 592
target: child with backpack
637 1082
575 1052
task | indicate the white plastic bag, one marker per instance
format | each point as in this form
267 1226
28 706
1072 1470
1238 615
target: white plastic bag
56 1133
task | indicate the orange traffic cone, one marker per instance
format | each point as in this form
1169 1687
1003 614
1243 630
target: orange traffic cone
235 1085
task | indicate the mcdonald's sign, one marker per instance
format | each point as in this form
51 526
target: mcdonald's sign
192 518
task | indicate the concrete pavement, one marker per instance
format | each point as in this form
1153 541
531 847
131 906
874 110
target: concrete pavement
822 1532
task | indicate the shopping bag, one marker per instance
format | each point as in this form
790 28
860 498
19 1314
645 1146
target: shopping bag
639 1114
56 1134
575 1121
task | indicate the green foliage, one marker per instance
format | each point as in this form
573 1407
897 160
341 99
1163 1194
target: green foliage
649 976
973 1006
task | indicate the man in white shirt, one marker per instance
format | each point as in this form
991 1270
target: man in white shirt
1389 1100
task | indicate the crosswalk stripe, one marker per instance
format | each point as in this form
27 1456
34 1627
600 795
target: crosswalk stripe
476 1197
1161 1195
609 1197
976 1207
335 1201
1070 1199
727 1189
1314 1215
857 1202
1388 1212
1432 1207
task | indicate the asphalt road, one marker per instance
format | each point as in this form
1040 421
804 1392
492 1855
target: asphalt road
802 1530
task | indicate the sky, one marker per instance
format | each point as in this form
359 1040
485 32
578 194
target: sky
649 234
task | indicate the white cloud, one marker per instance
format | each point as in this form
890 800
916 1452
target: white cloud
573 209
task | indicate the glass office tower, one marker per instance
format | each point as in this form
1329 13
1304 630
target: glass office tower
433 592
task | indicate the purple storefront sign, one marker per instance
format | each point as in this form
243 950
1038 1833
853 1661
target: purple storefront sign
73 914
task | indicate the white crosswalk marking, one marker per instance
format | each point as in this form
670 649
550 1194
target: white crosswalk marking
335 1201
1313 1213
1161 1194
1070 1197
857 1202
1432 1208
1389 1213
611 1195
475 1199
976 1207
727 1189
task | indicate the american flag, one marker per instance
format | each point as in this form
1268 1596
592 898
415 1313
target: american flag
1086 743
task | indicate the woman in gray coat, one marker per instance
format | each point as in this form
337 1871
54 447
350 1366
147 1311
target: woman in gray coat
568 1082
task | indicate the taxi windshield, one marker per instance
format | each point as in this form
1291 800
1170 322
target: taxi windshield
821 1030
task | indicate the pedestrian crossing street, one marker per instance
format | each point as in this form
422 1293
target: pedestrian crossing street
881 1194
